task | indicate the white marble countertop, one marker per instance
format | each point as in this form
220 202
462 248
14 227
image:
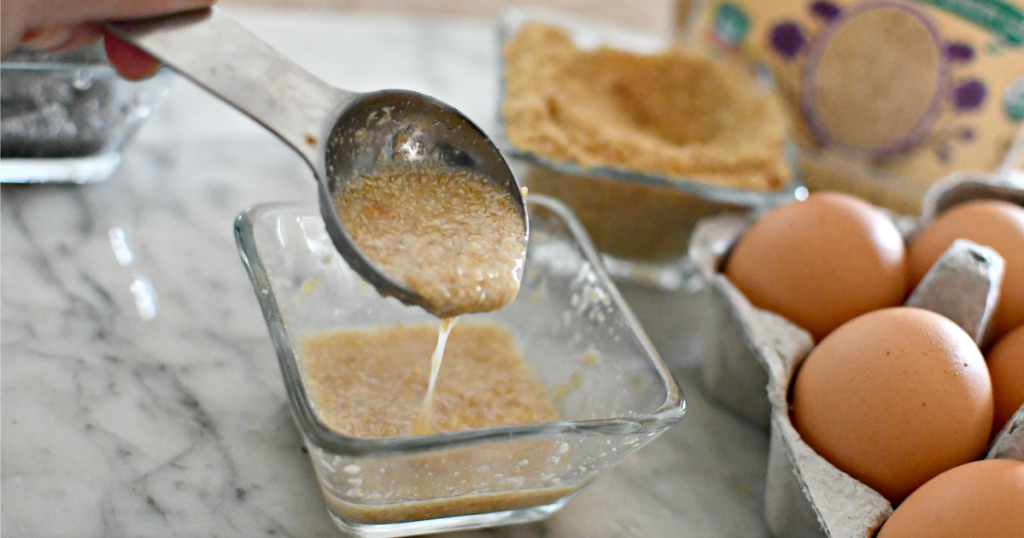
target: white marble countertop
140 393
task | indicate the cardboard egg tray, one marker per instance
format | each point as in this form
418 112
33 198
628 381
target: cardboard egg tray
759 353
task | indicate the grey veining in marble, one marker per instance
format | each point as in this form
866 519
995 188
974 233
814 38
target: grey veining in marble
140 394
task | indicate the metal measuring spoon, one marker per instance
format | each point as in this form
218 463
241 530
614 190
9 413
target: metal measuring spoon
340 134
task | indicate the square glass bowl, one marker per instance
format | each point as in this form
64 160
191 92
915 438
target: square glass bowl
65 116
586 349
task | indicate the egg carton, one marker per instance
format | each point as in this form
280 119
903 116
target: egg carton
759 352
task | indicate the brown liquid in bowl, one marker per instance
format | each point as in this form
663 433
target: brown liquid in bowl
370 383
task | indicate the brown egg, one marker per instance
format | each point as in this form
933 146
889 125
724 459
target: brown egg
992 223
1006 365
821 262
981 499
895 397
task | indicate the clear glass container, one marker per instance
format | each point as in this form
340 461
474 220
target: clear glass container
641 222
613 393
65 116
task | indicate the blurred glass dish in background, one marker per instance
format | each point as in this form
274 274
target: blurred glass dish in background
64 117
640 140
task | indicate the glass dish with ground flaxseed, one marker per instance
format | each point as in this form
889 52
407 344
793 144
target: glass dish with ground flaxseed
639 138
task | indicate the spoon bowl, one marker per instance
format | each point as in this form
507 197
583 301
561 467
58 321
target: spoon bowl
341 135
397 127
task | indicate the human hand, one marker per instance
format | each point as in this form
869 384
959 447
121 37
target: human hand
56 25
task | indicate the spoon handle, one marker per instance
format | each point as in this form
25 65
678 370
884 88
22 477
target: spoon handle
220 55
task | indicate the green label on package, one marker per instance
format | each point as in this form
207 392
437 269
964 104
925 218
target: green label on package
998 17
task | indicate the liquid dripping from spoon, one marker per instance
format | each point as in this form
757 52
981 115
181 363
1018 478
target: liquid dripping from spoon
424 417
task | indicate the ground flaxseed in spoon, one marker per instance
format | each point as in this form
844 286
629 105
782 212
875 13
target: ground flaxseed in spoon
452 236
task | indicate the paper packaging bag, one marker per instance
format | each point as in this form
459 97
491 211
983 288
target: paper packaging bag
805 495
885 96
